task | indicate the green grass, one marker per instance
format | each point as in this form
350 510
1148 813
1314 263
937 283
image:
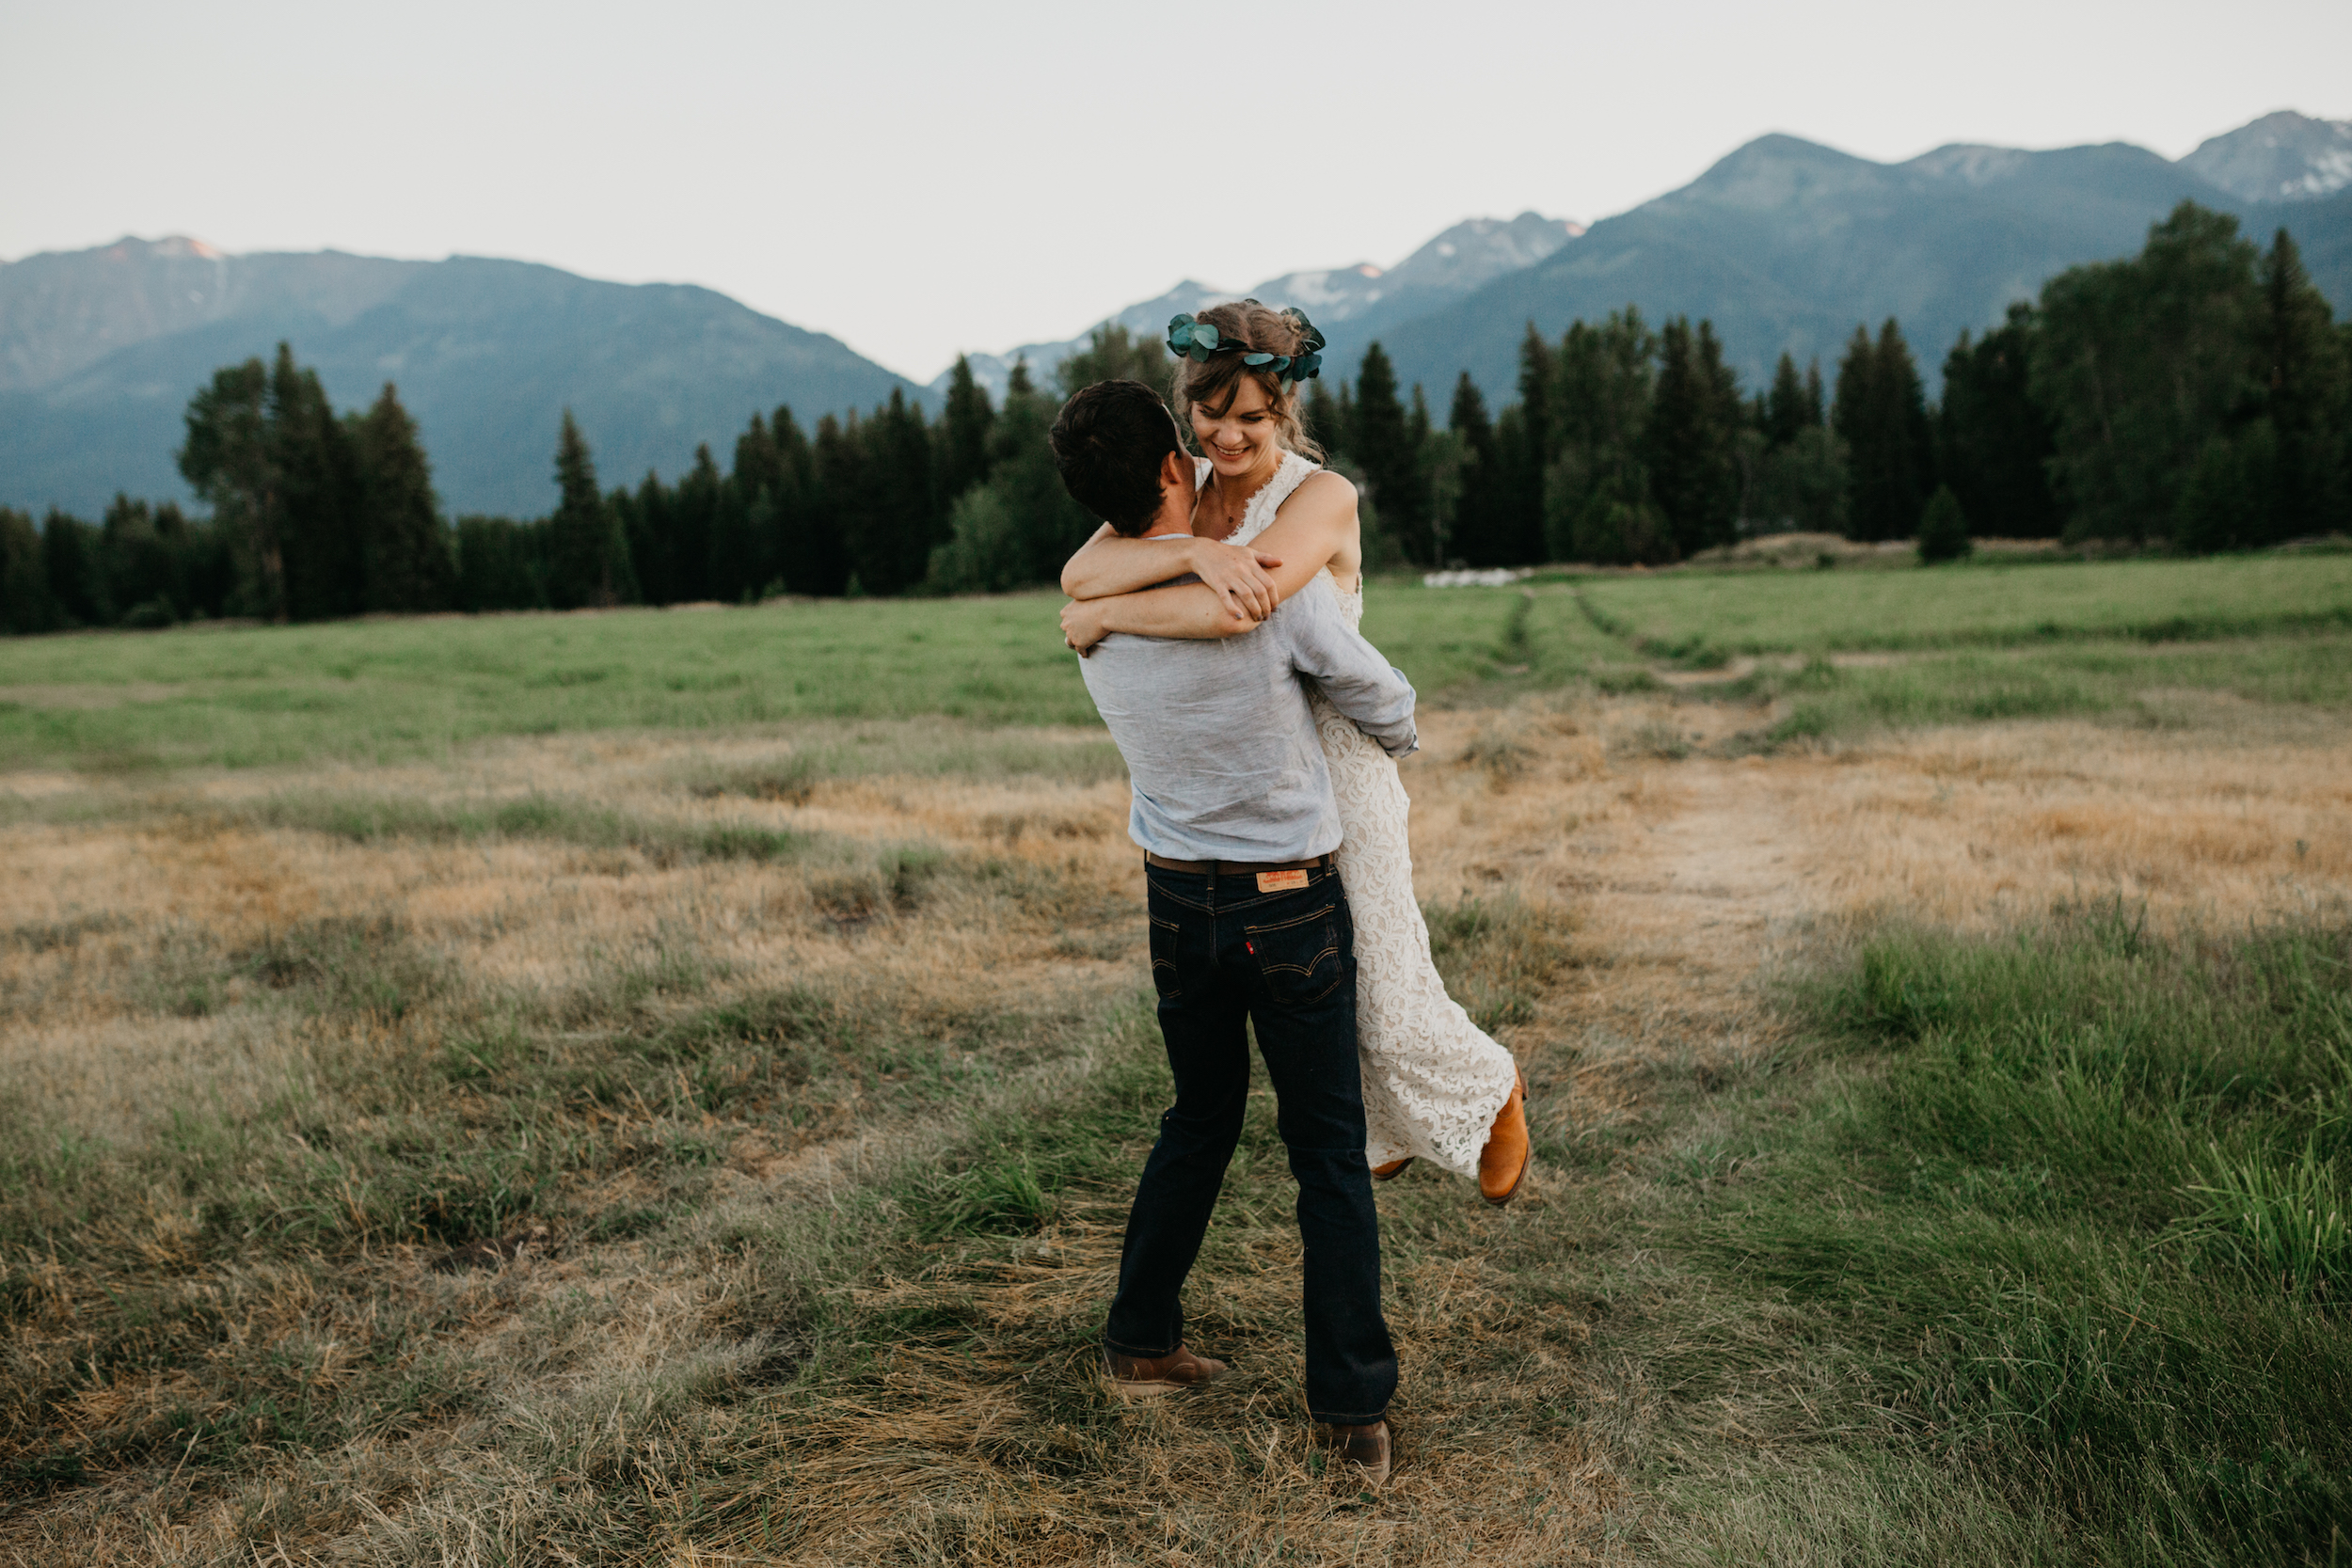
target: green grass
393 690
2158 686
382 690
376 692
1676 614
2070 1214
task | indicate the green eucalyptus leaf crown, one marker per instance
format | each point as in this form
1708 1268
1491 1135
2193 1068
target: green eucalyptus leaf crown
1190 339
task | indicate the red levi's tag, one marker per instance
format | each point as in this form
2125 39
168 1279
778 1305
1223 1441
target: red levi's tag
1280 881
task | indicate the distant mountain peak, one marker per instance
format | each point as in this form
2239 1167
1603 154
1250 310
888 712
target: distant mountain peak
1972 163
2283 156
1777 170
171 248
1464 258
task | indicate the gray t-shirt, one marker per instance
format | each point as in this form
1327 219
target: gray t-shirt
1219 741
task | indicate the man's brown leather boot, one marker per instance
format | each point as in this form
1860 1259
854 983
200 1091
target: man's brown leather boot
1391 1171
1365 1448
1503 1164
1135 1378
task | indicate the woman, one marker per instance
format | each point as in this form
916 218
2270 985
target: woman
1268 520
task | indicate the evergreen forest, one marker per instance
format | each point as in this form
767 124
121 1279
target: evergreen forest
2193 398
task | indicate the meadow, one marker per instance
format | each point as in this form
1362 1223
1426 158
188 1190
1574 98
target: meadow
663 1087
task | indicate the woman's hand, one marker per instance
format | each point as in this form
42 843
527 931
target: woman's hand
1237 574
1082 625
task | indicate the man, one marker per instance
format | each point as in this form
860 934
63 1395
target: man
1250 924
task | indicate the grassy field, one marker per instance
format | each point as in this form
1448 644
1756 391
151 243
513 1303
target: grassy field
1964 644
475 1095
1695 614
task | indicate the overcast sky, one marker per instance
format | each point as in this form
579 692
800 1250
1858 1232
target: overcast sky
920 178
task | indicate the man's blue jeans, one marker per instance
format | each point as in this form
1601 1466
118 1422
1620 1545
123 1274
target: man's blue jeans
1221 953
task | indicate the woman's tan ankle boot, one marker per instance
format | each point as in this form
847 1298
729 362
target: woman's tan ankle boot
1503 1164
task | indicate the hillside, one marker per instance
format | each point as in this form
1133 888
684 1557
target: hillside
101 349
1789 245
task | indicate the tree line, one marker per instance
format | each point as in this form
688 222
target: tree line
2197 396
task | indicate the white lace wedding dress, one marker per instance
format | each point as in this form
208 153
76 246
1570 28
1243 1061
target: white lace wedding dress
1433 1080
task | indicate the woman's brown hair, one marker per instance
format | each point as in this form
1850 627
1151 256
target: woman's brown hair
1210 383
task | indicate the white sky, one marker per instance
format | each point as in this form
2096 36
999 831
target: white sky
920 178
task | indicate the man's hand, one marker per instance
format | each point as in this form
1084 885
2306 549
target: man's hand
1082 625
1237 576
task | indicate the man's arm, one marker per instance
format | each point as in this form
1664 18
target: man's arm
1186 611
1373 695
1108 564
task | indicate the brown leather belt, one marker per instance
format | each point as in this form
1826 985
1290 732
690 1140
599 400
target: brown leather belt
1235 868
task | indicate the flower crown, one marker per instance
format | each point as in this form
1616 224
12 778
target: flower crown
1198 339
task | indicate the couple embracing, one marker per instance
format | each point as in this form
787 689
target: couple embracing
1216 611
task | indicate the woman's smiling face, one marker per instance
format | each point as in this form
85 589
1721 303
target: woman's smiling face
1242 439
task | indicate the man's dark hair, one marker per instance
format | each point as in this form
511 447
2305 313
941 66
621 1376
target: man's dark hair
1108 444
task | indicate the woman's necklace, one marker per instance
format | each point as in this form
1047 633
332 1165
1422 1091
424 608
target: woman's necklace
1224 517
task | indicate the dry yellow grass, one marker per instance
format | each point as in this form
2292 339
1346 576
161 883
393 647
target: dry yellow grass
612 1404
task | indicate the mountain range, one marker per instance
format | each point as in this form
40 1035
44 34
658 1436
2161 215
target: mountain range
1783 243
100 351
1365 298
1788 245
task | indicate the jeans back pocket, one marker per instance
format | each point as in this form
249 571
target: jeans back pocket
1302 957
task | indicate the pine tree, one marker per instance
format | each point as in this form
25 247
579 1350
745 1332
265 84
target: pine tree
319 495
818 561
1538 378
580 531
2306 393
798 508
1690 446
964 424
1597 487
1420 480
1534 441
1784 409
741 563
1882 414
730 574
406 559
648 524
695 526
1479 537
136 565
1322 420
1381 442
1993 442
892 551
24 603
758 461
170 569
68 561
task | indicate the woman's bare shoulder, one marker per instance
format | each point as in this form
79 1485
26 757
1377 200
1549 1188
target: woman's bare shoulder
1328 488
